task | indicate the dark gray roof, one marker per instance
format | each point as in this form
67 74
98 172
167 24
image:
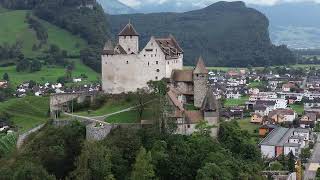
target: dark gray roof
277 137
200 67
210 102
128 30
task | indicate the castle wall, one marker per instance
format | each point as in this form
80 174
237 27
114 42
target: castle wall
126 73
130 43
172 64
200 88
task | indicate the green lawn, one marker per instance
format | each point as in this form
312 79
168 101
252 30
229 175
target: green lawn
48 74
15 28
255 84
27 112
130 117
107 108
236 102
245 124
298 108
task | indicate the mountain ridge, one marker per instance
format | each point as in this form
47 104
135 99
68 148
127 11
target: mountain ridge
203 32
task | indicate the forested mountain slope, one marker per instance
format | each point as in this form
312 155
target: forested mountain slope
225 33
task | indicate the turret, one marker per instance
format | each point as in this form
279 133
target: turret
200 80
210 109
129 39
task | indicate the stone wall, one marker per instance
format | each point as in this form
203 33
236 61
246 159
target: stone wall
97 132
200 88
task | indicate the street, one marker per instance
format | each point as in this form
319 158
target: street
312 165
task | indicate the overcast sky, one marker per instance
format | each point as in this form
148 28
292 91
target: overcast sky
202 3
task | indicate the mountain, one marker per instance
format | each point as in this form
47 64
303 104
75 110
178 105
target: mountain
224 33
115 7
295 24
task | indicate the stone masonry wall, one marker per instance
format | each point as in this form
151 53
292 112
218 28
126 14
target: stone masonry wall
200 89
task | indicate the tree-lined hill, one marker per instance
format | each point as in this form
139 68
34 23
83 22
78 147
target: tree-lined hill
225 33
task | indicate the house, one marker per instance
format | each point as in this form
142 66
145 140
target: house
233 113
288 86
283 141
308 120
311 103
256 118
264 130
3 84
282 115
233 95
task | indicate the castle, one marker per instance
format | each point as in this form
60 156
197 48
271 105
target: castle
125 68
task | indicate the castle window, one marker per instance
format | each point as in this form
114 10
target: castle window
157 62
156 77
127 62
151 55
188 126
144 55
168 62
129 49
148 63
158 70
130 37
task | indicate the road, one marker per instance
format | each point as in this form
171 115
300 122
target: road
311 167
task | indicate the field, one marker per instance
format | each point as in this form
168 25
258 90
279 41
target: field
297 108
130 117
107 108
15 28
7 144
236 102
48 74
253 129
27 112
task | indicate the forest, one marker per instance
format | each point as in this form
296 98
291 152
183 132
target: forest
131 153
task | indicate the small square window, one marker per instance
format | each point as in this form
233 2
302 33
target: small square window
188 126
127 62
157 62
129 49
156 77
158 70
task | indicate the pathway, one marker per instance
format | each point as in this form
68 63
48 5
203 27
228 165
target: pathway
24 136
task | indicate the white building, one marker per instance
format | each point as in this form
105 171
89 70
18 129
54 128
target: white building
283 141
125 68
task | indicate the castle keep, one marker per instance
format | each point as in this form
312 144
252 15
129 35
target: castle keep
125 68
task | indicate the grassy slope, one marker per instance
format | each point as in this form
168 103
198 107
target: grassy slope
13 27
26 112
48 74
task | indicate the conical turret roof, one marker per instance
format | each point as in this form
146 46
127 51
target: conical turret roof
210 102
200 67
128 30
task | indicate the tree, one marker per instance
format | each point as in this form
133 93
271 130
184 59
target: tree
94 163
211 171
143 168
305 154
6 77
291 162
203 129
30 171
142 98
276 166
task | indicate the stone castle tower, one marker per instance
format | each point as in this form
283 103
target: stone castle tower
129 39
210 108
200 79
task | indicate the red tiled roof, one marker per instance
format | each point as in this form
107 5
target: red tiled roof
169 47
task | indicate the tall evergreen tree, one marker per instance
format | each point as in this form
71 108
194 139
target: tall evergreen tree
291 162
6 77
143 168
